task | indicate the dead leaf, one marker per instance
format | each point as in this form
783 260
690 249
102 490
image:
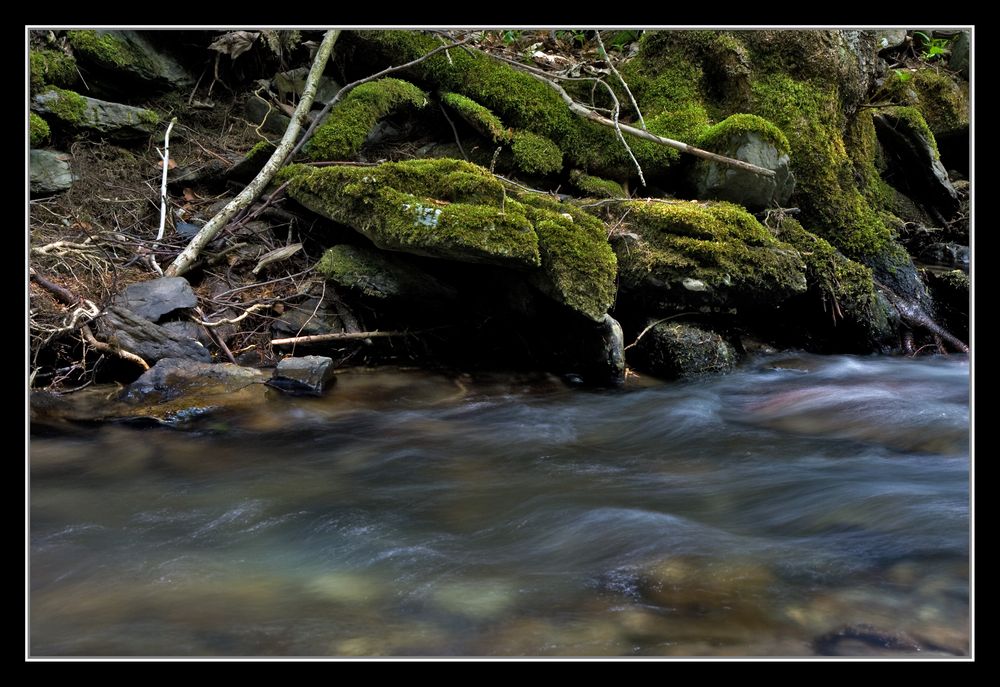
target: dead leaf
234 43
170 165
190 195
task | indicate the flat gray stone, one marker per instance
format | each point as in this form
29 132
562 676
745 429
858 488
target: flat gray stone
154 299
50 172
113 119
171 378
305 375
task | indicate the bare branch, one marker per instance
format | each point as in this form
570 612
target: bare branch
190 254
339 336
607 58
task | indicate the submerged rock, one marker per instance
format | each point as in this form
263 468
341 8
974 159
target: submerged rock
80 112
172 378
158 297
305 375
674 350
50 172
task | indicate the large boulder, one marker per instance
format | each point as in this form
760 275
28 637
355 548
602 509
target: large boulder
151 342
155 298
383 276
131 57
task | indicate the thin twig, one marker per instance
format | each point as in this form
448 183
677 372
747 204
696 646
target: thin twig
234 320
646 330
454 131
338 336
607 58
163 180
354 84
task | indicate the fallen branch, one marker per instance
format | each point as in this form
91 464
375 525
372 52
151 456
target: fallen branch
189 255
60 292
339 336
233 320
163 180
108 348
628 91
586 113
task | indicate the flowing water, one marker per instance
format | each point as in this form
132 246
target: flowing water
803 505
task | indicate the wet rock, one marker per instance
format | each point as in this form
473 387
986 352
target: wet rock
674 350
50 172
132 58
173 378
946 255
266 116
950 291
382 276
346 588
158 297
476 600
303 376
151 342
80 112
753 140
905 134
692 582
614 346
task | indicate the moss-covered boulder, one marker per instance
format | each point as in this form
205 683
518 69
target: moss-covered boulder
131 57
51 68
454 210
382 276
689 255
534 154
352 120
675 350
438 208
596 187
75 111
752 139
480 118
941 99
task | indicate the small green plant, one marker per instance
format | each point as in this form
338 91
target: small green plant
903 76
510 36
622 38
932 48
576 37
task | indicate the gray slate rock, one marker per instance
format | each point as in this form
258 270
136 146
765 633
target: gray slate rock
674 350
188 330
303 376
919 160
50 172
172 377
144 63
112 119
293 82
154 299
960 49
713 180
263 114
123 328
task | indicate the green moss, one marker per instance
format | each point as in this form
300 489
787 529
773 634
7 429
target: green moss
261 150
478 117
149 117
911 118
942 100
809 114
348 125
68 106
380 275
716 253
865 154
578 264
39 130
51 67
107 50
595 186
535 154
843 286
516 98
439 208
739 124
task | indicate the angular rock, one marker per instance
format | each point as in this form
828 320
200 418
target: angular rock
132 57
614 345
303 376
155 298
188 330
293 81
673 350
382 276
903 131
171 378
959 60
754 140
151 342
50 172
112 119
